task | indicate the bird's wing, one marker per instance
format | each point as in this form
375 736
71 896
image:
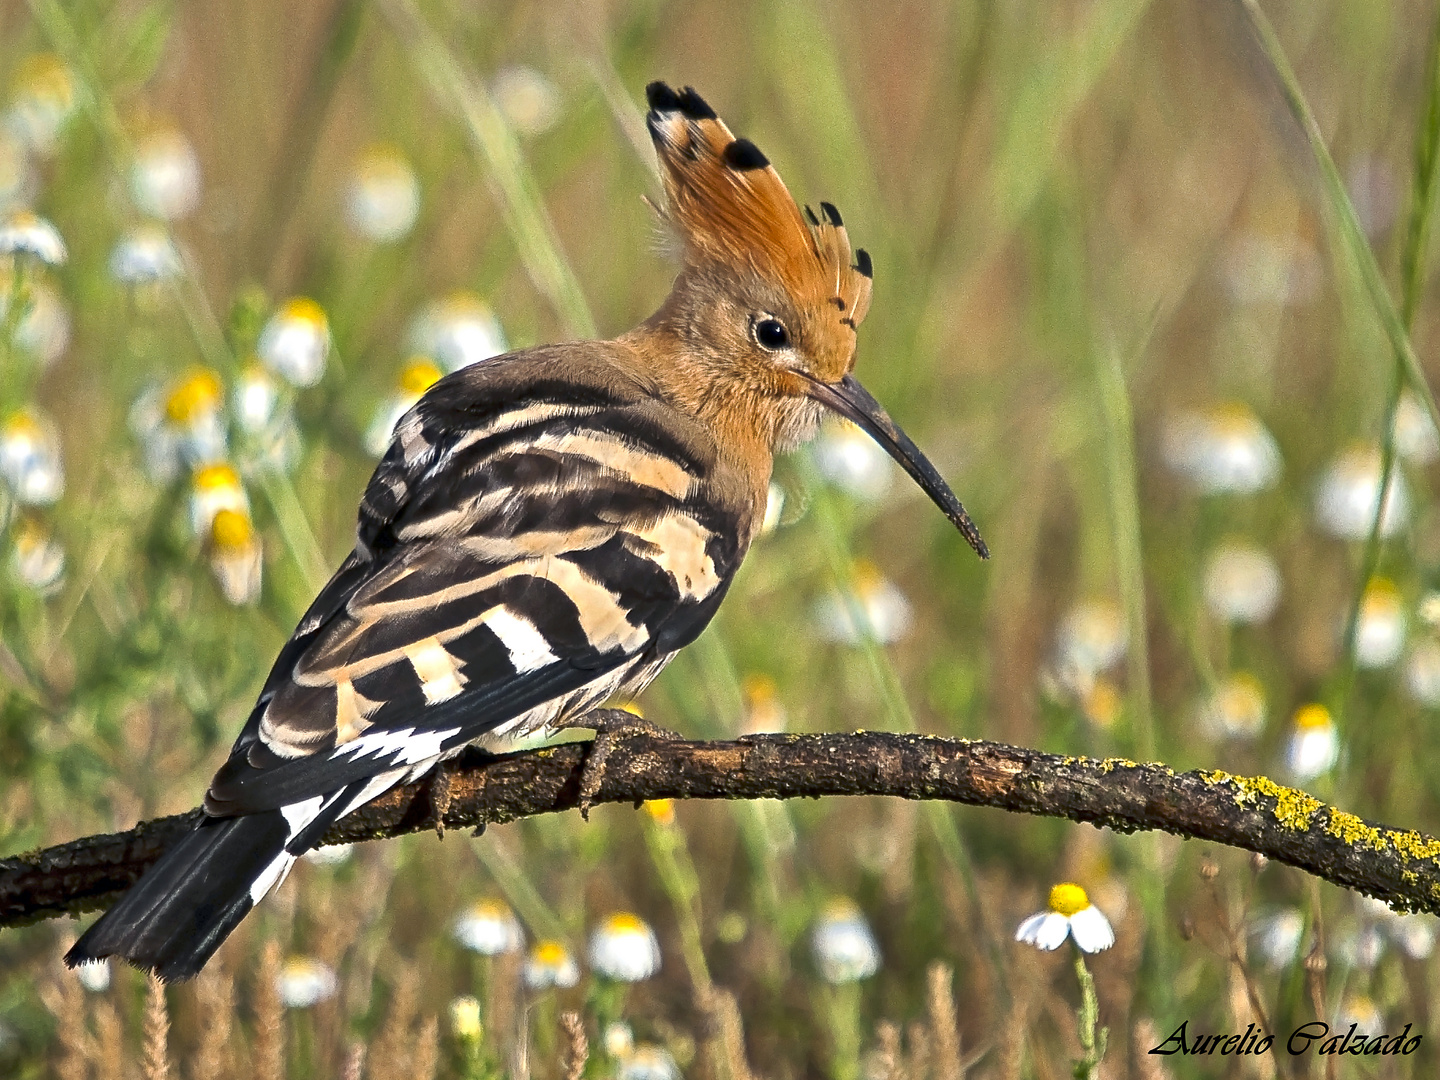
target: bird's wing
526 546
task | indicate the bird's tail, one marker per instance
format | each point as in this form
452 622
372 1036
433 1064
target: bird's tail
185 905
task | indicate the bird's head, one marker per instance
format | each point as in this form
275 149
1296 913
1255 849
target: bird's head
769 301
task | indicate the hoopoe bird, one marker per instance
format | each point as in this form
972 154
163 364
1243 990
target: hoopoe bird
545 531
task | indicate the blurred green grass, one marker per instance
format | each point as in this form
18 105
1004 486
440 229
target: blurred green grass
1086 218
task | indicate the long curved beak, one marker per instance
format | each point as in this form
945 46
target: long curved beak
853 401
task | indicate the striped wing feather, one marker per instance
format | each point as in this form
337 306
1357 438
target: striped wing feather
528 546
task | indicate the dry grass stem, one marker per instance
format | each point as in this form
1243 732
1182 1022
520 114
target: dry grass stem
215 991
918 1052
65 999
887 1057
392 1049
426 1057
106 1050
576 1047
268 1052
727 1033
940 1007
354 1066
156 1064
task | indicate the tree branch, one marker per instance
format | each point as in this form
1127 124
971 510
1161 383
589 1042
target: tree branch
1254 813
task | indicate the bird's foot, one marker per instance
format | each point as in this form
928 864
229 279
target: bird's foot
440 796
611 727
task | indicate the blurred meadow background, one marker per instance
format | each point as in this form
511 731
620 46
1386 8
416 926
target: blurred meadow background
1149 342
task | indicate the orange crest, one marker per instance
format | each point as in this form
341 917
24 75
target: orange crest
731 207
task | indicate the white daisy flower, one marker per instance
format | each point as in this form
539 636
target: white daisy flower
1070 914
1362 947
42 100
852 460
1222 449
44 327
1090 639
1277 937
528 99
1314 745
24 233
1237 709
304 981
417 376
181 424
550 964
214 488
844 946
457 331
261 406
624 948
37 560
94 975
649 1062
1242 583
1415 437
382 199
618 1040
144 256
1422 672
30 458
489 928
1359 1010
329 855
165 175
296 342
1349 492
465 1019
1413 934
1380 633
875 609
236 557
763 711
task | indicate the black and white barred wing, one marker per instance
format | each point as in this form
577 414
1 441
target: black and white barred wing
527 548
509 576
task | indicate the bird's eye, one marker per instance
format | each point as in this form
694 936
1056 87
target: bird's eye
771 334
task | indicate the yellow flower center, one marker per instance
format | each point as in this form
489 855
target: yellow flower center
865 576
839 909
759 689
231 530
1233 418
463 304
662 811
1382 598
383 161
197 394
490 909
1312 717
419 375
1067 898
550 954
21 426
216 477
303 309
623 922
465 1017
45 76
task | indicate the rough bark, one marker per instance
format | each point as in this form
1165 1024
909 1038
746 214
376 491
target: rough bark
1253 813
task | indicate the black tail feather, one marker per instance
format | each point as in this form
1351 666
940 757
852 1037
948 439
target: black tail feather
179 912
